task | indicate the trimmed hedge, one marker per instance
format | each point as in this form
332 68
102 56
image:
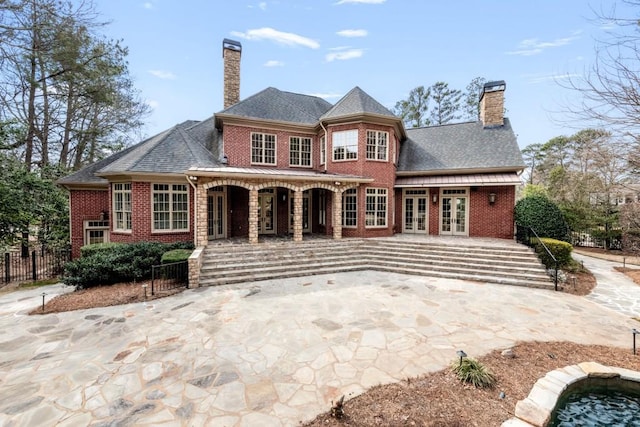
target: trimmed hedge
118 263
561 250
89 250
175 255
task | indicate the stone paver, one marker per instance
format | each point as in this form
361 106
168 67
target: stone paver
271 353
615 290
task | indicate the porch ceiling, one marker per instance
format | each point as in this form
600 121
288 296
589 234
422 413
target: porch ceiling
478 179
269 173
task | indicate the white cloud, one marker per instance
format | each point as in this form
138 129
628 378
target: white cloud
153 103
273 63
352 33
147 5
288 39
542 78
342 55
162 74
529 47
361 1
326 95
262 5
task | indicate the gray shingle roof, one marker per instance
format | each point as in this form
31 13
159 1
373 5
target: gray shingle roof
356 101
175 150
276 105
460 146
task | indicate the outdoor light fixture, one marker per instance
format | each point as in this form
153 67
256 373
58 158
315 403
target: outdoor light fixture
492 198
284 197
635 332
462 355
434 198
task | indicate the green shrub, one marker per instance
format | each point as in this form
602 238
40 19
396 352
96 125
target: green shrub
544 216
118 263
175 255
90 250
473 372
560 250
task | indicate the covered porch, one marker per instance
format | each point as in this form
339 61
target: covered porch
252 202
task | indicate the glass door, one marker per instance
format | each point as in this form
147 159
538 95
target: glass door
216 224
415 211
454 214
266 214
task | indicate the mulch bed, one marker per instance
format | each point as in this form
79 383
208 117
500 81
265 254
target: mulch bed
440 399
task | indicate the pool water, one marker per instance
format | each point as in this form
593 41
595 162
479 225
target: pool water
591 409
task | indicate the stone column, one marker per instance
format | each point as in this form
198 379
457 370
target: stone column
202 238
337 215
297 216
253 216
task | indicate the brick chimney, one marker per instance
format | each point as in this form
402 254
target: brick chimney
492 104
231 51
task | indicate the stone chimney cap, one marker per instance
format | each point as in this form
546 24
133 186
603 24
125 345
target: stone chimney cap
231 44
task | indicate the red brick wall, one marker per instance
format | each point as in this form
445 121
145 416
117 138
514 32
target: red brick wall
85 205
486 220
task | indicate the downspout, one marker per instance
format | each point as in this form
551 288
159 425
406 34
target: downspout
326 140
195 211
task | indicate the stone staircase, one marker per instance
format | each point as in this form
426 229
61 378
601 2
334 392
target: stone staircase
504 263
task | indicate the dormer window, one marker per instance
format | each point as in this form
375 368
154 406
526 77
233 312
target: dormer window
345 145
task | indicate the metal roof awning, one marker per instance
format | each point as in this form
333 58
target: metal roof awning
478 179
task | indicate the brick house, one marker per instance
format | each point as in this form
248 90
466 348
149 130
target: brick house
286 163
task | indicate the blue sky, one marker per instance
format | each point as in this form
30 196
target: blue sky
387 47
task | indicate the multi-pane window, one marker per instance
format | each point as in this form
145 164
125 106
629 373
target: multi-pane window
323 150
376 207
299 151
377 145
96 232
122 207
263 148
322 208
350 208
345 145
170 207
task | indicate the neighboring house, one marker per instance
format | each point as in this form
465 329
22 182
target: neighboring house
286 163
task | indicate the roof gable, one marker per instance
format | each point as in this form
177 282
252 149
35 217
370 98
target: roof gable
275 105
460 146
355 102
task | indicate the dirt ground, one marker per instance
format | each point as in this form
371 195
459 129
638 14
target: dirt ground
438 399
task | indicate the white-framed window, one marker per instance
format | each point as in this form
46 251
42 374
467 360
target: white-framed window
170 207
323 149
122 207
263 148
299 151
377 145
96 232
345 145
350 208
376 207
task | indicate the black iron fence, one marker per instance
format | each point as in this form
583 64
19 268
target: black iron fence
597 239
528 236
166 277
44 263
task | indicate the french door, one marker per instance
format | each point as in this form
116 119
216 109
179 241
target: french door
266 211
454 212
415 211
216 219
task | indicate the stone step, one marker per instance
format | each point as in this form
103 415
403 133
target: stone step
510 263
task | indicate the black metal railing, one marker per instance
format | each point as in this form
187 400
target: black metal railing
42 264
528 236
166 277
